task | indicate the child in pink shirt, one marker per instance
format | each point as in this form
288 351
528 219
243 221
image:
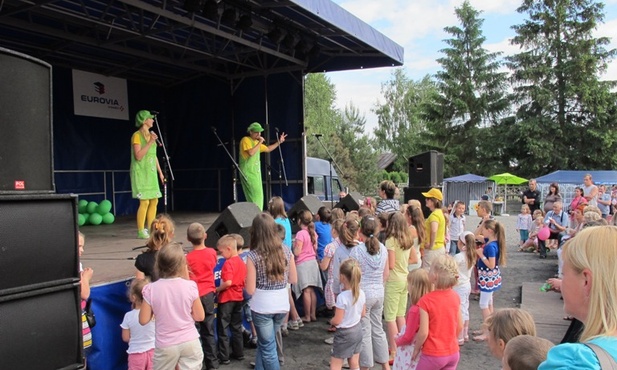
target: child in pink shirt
174 299
309 278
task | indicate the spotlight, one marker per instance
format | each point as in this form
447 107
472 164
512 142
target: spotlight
277 35
211 9
229 17
291 40
244 23
304 46
314 52
192 5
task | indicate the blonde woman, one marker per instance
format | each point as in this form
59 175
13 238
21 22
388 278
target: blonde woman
589 295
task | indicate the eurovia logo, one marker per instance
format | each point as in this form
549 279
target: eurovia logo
99 88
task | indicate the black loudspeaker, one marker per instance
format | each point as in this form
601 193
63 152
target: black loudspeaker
40 312
310 202
38 243
26 153
235 219
348 203
41 329
415 192
426 169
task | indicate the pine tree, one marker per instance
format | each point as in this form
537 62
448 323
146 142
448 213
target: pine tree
472 97
565 112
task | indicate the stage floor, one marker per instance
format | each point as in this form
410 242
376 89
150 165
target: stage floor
111 250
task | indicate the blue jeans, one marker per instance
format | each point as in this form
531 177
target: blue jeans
266 325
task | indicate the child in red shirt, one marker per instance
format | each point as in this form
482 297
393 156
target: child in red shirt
230 300
440 319
201 262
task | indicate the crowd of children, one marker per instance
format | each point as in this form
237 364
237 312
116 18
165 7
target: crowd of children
365 283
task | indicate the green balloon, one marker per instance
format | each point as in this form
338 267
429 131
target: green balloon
81 220
86 218
104 207
81 206
95 219
91 207
108 218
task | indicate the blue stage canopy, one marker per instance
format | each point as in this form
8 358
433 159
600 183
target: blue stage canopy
576 177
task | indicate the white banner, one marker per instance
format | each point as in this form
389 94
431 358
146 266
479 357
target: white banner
96 95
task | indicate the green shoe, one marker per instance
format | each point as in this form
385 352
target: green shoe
143 234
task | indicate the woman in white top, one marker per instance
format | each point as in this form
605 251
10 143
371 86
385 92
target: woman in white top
269 268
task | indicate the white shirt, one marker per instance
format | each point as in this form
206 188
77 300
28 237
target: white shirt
353 312
464 273
142 337
457 226
587 190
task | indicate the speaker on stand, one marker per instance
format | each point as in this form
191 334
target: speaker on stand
26 151
426 169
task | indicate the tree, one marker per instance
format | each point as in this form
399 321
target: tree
320 113
364 175
565 113
400 118
472 97
342 134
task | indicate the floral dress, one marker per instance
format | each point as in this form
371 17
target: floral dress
329 253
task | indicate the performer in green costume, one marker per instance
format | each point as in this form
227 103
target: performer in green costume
250 164
144 169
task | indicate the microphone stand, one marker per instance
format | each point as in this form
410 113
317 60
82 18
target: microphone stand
281 164
235 180
167 164
330 160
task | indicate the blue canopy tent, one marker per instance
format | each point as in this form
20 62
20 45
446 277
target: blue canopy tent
465 188
576 177
568 180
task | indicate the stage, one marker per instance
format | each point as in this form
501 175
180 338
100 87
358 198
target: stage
109 249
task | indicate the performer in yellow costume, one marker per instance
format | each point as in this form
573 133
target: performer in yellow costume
250 163
144 169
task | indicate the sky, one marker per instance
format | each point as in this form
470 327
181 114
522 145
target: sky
418 25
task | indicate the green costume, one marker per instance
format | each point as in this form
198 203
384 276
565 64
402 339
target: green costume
251 167
144 174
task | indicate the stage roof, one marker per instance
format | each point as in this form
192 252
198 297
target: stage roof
168 42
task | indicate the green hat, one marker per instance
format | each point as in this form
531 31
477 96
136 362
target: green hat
141 116
255 127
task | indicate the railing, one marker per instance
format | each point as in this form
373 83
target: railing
108 187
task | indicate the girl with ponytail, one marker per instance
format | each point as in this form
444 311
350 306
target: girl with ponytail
372 258
490 258
309 278
350 308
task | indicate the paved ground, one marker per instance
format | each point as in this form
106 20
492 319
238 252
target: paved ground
109 252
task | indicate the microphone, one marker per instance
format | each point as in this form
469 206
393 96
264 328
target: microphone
213 128
154 112
158 141
318 135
